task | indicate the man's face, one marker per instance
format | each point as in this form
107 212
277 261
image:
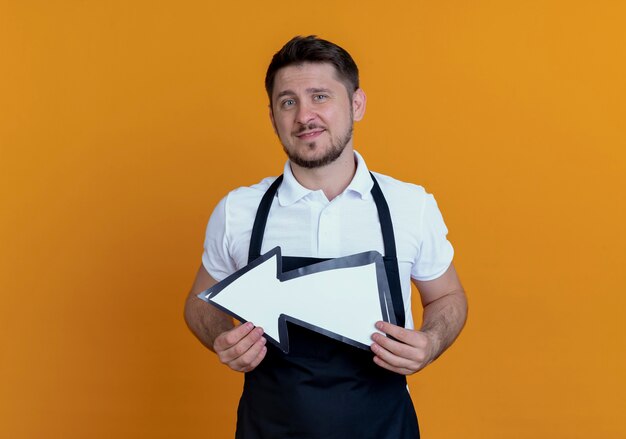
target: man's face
312 113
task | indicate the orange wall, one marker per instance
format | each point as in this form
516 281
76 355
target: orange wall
123 122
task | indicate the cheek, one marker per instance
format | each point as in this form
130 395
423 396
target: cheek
340 119
282 129
278 123
339 115
281 126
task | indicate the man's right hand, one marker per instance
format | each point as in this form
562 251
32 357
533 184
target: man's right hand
241 348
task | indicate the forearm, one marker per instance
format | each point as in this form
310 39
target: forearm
205 321
443 320
241 348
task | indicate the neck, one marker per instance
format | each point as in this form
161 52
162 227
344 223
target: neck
333 178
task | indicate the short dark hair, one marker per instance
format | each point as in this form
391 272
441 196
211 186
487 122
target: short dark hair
301 49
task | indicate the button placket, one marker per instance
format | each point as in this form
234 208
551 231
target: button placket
329 232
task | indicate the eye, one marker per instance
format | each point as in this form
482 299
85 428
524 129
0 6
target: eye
287 103
320 97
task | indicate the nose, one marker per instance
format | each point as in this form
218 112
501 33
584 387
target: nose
305 113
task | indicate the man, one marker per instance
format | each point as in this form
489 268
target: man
327 205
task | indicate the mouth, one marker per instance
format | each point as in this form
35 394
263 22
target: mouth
311 134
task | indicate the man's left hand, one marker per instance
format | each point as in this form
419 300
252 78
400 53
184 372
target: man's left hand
409 352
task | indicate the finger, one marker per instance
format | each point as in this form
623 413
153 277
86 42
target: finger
404 335
250 359
399 370
242 346
257 360
404 362
232 336
395 347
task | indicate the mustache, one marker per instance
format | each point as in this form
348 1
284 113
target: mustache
308 127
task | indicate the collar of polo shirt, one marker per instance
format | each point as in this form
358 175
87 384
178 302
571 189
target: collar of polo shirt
291 191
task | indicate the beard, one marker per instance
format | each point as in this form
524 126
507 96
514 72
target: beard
337 145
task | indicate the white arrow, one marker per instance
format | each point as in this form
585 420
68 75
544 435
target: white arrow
342 298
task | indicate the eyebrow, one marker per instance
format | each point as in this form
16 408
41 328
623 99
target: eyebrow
308 90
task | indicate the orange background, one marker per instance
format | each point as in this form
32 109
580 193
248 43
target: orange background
122 123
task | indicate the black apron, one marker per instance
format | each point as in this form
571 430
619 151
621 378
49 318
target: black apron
323 388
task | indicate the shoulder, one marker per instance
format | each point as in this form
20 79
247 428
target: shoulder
229 227
239 204
410 204
247 196
400 191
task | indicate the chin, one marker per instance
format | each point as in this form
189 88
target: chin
315 159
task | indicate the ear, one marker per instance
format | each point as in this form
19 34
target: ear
358 104
271 114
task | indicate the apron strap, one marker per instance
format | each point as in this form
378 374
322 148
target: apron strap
391 257
258 229
389 240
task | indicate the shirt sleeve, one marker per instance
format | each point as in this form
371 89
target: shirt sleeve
435 252
216 257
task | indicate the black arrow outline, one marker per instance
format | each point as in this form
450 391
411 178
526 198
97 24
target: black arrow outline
356 260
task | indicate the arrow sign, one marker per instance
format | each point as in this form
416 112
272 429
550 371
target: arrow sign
342 298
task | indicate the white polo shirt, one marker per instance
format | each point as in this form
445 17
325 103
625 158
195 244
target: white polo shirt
304 223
